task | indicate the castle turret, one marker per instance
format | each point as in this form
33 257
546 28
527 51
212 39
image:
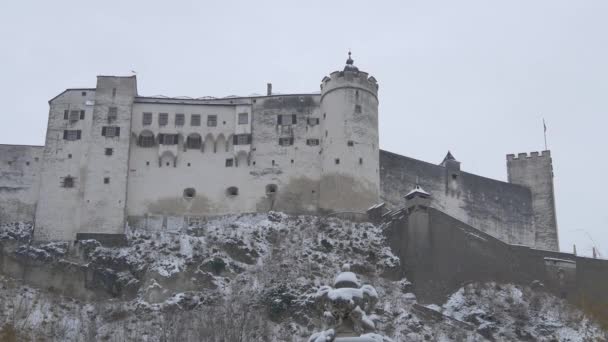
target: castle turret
536 172
350 155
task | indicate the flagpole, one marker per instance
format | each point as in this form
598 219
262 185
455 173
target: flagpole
545 133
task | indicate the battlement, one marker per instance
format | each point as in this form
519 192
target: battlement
525 156
338 79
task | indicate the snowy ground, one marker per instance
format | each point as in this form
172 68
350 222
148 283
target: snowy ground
252 278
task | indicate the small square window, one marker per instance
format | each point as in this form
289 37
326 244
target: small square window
360 161
312 142
163 119
146 119
292 161
179 119
195 120
69 156
68 182
286 141
106 180
358 109
337 161
229 162
27 163
109 151
188 164
84 93
273 163
211 120
147 163
243 118
350 143
312 121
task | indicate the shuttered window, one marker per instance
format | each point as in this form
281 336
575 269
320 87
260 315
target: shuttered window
241 139
110 131
72 134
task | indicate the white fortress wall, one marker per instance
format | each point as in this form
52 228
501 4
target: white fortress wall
58 215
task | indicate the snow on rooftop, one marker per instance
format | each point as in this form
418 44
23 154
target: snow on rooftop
417 190
347 277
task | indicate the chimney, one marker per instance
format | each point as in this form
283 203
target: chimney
268 89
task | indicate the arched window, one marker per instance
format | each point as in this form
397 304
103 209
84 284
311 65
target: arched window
194 141
220 143
208 143
146 139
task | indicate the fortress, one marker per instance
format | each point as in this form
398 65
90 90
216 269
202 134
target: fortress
113 157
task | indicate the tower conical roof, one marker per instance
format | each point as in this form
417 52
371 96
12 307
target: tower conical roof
449 156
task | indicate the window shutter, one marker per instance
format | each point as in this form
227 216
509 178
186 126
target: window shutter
249 139
235 140
103 131
117 131
82 115
279 119
78 134
291 141
293 119
65 135
66 114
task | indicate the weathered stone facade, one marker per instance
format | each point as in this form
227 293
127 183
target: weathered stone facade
112 156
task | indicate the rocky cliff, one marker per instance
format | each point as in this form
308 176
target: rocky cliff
248 278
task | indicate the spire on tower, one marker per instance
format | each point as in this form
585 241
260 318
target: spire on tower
349 64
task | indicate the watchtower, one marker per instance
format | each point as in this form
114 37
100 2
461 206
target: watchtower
350 178
536 172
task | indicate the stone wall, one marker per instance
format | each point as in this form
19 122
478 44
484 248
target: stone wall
500 209
439 254
19 182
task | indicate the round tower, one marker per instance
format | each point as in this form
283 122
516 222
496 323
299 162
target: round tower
350 179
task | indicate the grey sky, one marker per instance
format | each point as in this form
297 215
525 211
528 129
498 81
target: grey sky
475 77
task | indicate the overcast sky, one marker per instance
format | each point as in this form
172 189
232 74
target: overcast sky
473 77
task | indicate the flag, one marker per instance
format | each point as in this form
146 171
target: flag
544 125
